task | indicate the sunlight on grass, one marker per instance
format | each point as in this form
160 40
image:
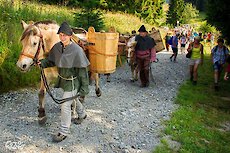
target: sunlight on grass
197 122
123 22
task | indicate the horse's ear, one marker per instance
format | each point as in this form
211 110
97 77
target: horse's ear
24 25
31 22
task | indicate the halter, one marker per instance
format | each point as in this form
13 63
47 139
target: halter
40 45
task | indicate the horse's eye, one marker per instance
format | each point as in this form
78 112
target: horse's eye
35 44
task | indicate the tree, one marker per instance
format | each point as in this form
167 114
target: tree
218 14
175 12
200 4
89 16
151 11
189 13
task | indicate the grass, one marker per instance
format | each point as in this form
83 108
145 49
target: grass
198 123
10 47
123 22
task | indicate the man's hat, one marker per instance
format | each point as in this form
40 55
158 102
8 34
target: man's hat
142 29
65 28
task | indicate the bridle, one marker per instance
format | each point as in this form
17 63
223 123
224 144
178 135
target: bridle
40 45
35 62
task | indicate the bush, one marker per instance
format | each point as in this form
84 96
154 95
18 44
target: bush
205 28
87 18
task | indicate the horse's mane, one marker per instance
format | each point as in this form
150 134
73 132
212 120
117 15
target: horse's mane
47 24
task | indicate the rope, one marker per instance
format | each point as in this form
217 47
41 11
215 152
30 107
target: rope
58 101
93 51
69 79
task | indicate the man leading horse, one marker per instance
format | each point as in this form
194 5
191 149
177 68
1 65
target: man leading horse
72 64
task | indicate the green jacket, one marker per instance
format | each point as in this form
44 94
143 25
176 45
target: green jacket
81 82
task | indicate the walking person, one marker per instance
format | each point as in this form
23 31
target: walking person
143 50
174 47
212 39
167 37
196 59
219 55
183 42
72 64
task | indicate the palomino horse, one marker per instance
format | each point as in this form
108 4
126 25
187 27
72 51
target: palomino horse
130 54
37 40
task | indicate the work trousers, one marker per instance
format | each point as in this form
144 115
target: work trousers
143 66
66 112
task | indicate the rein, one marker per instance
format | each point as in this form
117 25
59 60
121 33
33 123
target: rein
35 61
57 101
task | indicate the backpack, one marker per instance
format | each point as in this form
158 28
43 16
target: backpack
170 41
217 47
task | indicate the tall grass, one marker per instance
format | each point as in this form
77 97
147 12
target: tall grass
124 23
11 30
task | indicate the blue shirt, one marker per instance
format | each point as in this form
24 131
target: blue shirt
174 42
219 54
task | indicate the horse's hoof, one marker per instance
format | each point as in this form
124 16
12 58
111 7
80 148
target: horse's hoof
132 80
98 92
42 120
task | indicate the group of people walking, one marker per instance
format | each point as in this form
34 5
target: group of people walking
72 66
72 63
219 56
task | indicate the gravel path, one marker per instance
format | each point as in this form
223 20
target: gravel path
126 118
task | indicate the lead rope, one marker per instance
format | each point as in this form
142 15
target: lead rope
58 101
73 88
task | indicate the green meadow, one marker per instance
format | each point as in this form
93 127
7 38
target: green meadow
201 124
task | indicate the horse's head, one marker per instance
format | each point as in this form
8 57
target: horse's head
33 39
130 48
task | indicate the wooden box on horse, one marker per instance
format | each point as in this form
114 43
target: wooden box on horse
102 55
158 39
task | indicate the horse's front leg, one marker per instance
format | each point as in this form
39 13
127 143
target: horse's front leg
134 72
97 89
41 110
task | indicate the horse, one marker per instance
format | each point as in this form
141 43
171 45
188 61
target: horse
37 40
130 55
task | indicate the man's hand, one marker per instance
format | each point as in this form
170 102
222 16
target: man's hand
37 62
226 76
